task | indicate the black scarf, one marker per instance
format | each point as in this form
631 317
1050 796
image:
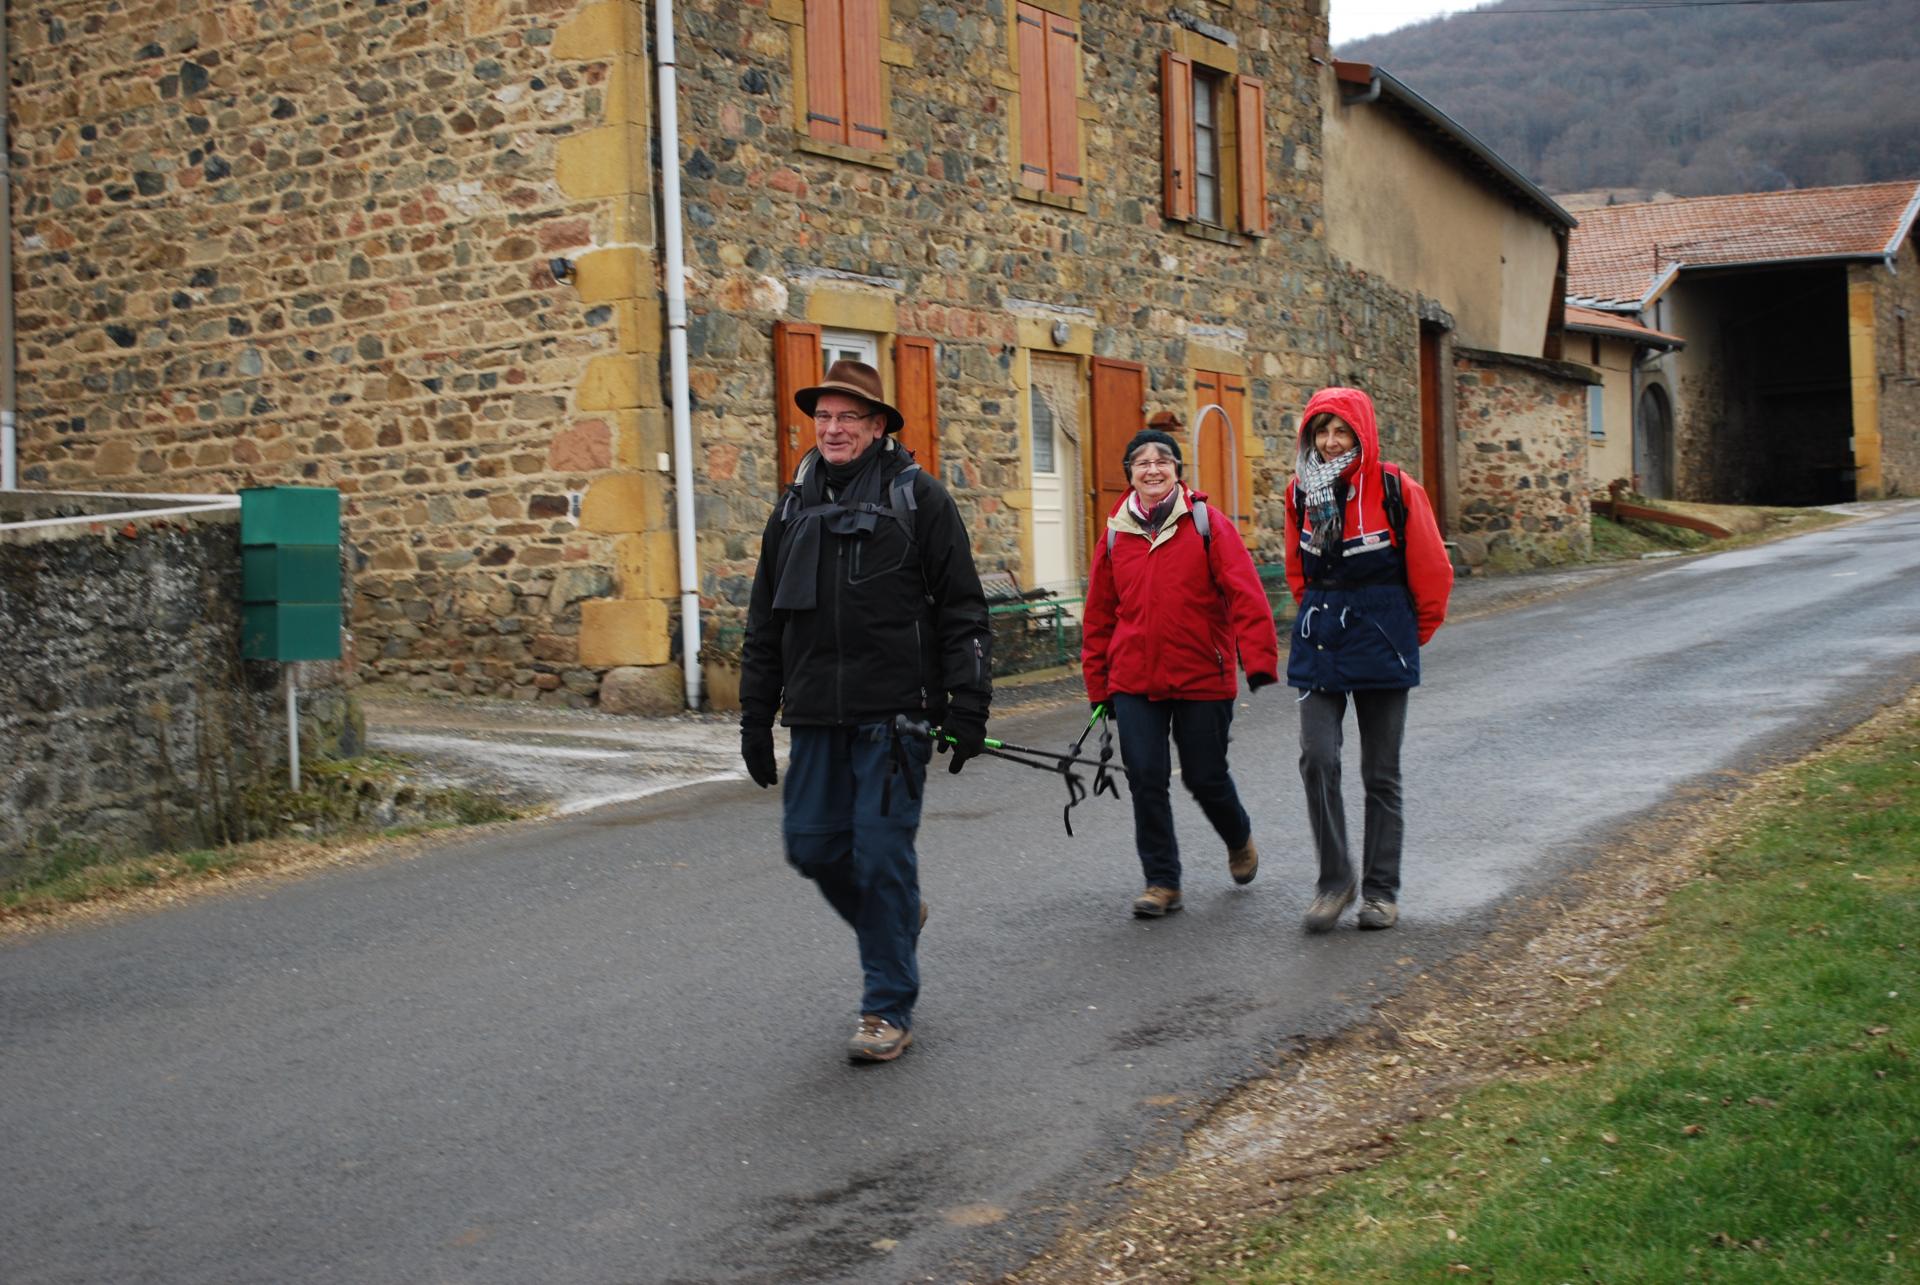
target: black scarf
847 499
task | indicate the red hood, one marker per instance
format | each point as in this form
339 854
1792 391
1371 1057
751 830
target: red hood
1351 405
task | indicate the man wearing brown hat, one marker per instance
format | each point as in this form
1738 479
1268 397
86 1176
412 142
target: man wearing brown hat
866 605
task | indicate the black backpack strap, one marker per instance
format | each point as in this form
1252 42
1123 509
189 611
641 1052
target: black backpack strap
1393 499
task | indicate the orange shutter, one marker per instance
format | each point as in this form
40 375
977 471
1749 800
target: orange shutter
826 83
913 392
1205 448
1176 117
1250 124
1035 165
1233 399
866 113
796 365
1063 106
1119 411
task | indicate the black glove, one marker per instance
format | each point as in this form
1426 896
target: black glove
756 750
968 732
1256 681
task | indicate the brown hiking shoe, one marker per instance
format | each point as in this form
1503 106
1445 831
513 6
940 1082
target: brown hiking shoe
1155 902
1243 862
877 1040
1326 909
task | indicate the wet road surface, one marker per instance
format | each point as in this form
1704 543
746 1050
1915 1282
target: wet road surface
608 1047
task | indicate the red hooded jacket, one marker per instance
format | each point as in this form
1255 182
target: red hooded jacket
1429 571
1167 617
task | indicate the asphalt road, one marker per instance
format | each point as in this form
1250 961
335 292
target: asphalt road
609 1047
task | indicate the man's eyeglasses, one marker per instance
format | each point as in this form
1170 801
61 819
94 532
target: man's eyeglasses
845 419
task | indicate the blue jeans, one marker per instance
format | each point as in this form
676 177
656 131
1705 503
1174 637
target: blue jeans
859 856
1199 731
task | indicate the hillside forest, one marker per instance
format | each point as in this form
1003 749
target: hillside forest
1689 98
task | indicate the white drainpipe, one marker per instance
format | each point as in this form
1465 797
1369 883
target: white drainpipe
9 447
676 286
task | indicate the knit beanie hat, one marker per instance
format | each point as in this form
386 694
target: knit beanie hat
1154 437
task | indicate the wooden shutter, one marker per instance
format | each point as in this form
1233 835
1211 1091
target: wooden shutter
913 391
1036 167
1250 130
866 111
1176 117
1119 411
826 81
796 365
1063 106
1233 458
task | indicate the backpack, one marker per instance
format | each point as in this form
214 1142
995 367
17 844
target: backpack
900 502
1392 499
1201 523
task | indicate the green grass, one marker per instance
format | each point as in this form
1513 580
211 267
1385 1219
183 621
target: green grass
1744 1106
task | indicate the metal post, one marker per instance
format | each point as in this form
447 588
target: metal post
293 726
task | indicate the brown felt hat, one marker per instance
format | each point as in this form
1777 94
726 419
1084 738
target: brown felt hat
856 379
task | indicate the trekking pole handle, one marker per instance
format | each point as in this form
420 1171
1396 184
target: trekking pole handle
919 727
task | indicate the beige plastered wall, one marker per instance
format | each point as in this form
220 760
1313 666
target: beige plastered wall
1612 456
1399 207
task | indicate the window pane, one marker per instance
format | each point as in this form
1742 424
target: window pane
1042 418
1206 150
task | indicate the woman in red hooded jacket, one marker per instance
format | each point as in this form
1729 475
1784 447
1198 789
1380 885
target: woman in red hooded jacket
1370 572
1173 609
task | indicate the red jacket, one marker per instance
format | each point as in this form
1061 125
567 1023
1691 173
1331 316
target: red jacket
1167 618
1429 571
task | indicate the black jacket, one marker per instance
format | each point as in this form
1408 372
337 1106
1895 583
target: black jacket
900 626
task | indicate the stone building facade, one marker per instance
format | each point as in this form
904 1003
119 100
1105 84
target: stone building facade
410 251
1523 459
1883 302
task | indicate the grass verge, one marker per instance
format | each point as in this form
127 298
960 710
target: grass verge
1743 1104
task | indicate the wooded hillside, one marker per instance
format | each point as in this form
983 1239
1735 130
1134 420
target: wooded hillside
1699 100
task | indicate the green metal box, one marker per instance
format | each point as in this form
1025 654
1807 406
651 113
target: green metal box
290 631
307 573
289 515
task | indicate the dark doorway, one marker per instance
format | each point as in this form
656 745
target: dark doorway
1653 444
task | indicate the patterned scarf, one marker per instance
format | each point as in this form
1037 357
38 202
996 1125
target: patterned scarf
1316 477
1152 518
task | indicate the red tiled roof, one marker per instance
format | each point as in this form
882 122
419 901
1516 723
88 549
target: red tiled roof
1620 253
1614 323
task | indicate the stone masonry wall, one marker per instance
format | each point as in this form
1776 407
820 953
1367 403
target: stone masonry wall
1376 348
127 719
1896 331
938 241
1522 430
306 242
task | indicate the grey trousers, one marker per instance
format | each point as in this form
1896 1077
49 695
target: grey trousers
1382 716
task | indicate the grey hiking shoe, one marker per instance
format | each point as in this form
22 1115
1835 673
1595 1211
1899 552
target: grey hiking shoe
1375 913
1155 902
1243 862
1326 909
877 1040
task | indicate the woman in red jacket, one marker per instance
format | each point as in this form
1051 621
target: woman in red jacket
1174 609
1366 563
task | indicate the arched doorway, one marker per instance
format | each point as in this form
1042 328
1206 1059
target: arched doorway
1653 444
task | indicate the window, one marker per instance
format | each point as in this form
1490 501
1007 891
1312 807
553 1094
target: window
1042 418
802 352
1596 413
1214 145
1047 53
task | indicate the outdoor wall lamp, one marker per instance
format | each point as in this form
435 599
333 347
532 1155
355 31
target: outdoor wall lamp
562 269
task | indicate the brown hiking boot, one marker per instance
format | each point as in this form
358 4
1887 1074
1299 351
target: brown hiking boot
1326 909
877 1040
1243 862
1155 902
